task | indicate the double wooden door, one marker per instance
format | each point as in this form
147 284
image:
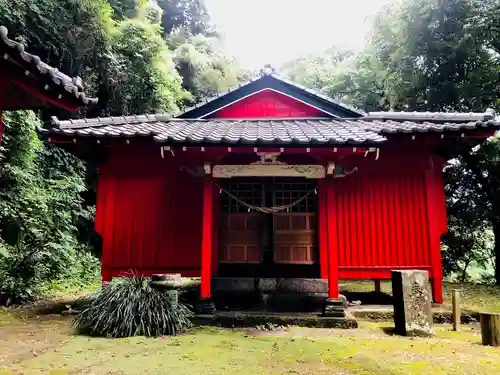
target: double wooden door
286 237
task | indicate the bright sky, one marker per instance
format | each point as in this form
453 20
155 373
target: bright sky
259 32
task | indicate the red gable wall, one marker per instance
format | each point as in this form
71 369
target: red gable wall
268 104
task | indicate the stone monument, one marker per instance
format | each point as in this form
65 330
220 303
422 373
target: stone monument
412 303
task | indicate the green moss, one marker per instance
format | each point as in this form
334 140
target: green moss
367 350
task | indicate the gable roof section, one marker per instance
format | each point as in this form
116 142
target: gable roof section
330 107
320 131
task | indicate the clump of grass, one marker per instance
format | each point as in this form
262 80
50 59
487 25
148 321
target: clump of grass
129 306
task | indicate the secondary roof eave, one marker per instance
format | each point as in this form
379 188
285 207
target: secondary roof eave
49 78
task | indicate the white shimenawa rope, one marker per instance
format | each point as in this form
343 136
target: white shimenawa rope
267 210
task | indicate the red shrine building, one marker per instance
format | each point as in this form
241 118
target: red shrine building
272 180
26 82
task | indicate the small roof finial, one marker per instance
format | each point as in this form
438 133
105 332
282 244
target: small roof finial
267 70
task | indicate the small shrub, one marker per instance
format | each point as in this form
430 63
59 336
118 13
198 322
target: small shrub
130 307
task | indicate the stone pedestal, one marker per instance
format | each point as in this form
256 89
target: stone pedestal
334 308
169 280
205 306
412 303
168 283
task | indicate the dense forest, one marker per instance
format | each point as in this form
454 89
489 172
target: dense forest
145 56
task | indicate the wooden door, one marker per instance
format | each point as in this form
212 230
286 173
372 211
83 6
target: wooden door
294 237
295 231
240 229
240 238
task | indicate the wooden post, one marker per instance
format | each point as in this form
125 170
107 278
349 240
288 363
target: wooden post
331 219
490 329
378 288
434 235
206 240
456 309
323 228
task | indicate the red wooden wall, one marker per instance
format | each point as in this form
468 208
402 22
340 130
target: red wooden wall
268 104
388 215
383 221
149 217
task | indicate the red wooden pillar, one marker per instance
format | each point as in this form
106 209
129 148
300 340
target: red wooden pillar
207 239
323 228
435 226
331 218
215 233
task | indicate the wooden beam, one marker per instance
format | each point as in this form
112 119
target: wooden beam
59 102
207 238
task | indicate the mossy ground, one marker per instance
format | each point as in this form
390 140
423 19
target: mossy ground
47 345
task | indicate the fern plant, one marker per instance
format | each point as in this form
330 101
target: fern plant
129 306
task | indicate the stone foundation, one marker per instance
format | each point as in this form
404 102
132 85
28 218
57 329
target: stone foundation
269 294
269 285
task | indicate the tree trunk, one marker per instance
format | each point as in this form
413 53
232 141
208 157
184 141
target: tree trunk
496 234
463 278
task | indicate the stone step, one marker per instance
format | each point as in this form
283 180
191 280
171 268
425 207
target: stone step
242 319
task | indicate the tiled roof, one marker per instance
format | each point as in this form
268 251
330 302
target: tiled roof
164 129
15 52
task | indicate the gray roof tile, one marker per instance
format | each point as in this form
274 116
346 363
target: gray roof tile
256 132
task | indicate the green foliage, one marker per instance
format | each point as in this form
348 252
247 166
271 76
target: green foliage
433 61
125 8
130 307
40 210
473 183
190 15
356 79
205 69
316 71
359 81
69 34
124 53
142 76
